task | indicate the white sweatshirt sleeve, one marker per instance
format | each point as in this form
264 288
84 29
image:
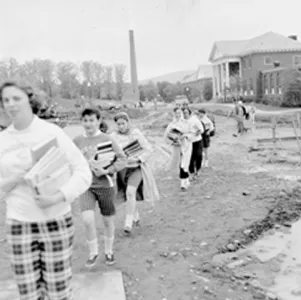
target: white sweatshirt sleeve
211 126
2 193
81 178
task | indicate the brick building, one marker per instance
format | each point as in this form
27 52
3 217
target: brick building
198 79
254 61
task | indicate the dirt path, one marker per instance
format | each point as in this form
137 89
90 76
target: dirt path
170 255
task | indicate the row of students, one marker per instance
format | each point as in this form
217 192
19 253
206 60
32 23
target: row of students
132 178
187 152
40 228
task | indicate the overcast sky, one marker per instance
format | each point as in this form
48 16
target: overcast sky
171 35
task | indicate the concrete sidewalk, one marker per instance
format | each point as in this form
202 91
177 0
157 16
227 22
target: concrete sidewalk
88 286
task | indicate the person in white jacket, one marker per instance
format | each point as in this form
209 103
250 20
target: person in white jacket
181 148
197 130
40 228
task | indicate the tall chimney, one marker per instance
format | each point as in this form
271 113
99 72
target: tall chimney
293 37
134 76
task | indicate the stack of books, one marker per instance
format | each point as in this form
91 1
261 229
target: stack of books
174 135
133 149
51 168
105 154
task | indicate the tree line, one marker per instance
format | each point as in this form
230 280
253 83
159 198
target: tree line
169 91
67 79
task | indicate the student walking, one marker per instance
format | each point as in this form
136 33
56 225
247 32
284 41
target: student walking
39 229
181 146
136 182
252 113
102 191
239 112
208 132
197 129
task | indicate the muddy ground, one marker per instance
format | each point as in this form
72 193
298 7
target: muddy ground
171 254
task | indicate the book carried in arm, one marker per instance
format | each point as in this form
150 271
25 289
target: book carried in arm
105 154
174 135
133 150
51 169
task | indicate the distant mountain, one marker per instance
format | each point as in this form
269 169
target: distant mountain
170 77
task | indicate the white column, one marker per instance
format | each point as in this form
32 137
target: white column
227 75
222 79
240 76
213 81
218 71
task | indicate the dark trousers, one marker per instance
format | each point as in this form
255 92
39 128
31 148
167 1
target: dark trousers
183 174
196 157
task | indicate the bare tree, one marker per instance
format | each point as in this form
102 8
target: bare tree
67 74
9 69
119 78
87 70
109 81
98 76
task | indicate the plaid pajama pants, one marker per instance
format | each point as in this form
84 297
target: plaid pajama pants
40 254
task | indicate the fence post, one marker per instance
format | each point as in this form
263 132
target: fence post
274 124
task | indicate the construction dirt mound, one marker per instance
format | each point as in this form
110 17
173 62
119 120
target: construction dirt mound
287 209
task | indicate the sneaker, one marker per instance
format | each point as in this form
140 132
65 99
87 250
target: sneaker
91 261
206 164
127 230
110 259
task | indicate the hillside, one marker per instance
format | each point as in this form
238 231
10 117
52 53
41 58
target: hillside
170 77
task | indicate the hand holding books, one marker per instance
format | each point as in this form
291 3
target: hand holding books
49 173
46 201
9 183
175 136
104 156
133 150
97 169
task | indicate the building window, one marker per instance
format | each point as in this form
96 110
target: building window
250 63
268 60
244 64
251 86
272 83
297 61
244 85
266 85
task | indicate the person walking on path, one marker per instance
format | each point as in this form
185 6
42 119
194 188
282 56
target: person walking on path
208 132
136 182
197 130
39 228
181 146
102 191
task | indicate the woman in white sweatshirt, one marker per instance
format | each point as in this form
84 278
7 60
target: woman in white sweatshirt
181 147
40 229
197 130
